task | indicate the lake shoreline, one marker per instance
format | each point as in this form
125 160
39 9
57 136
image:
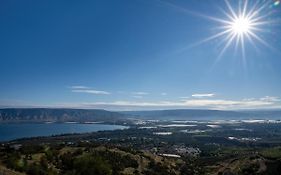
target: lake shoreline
16 131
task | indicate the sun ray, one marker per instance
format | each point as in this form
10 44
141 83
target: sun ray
244 22
252 42
259 39
238 38
216 19
261 17
257 11
227 14
230 9
245 8
251 11
231 38
243 46
212 37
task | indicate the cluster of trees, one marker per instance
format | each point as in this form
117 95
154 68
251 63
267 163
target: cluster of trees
95 162
82 161
24 164
92 160
85 165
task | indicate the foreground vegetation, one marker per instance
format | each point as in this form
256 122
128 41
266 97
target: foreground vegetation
89 158
151 149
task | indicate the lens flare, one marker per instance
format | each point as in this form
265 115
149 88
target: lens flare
245 22
241 25
276 3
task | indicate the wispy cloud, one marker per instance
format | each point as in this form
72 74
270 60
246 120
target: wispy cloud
163 93
88 90
79 87
189 103
270 98
184 97
267 102
202 95
137 96
140 93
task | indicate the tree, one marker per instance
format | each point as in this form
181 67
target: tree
91 165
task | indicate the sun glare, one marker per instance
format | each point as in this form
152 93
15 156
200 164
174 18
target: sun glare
241 25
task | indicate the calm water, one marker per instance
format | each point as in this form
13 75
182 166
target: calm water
15 131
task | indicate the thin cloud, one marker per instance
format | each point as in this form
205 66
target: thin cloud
270 98
137 96
140 93
189 103
88 90
202 95
184 97
220 104
79 87
163 93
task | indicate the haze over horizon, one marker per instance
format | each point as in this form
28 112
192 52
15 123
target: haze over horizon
140 55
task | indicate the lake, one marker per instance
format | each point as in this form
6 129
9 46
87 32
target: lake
20 130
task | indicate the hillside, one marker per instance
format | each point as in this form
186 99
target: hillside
56 115
92 115
88 159
199 114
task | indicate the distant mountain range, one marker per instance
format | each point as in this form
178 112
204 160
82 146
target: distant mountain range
200 114
57 115
93 115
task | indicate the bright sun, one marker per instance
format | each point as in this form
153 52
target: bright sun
244 23
241 25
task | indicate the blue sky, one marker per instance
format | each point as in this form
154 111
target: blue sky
133 54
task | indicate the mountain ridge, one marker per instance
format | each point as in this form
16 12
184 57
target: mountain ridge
205 114
57 115
94 115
